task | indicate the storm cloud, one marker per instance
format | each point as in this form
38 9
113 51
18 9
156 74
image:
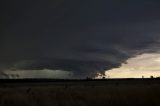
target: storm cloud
81 36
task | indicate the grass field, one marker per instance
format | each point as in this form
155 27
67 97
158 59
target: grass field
82 93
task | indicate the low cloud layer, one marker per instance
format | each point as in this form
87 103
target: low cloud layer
83 37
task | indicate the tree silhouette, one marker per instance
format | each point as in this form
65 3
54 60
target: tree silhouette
151 76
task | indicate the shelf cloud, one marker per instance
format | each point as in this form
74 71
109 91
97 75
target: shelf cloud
83 36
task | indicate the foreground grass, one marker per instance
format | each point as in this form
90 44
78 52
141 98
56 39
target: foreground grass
111 94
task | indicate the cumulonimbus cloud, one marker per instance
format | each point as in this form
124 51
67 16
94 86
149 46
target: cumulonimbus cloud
84 37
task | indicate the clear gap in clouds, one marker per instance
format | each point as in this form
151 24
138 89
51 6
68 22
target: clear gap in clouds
44 73
147 64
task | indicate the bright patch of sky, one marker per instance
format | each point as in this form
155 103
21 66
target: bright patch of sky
45 73
142 65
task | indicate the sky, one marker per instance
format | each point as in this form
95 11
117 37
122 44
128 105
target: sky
80 37
141 66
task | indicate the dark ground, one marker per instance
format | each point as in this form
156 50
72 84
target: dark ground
109 92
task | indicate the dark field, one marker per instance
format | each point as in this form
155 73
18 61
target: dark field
120 92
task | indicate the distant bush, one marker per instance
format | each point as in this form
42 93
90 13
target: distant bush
151 76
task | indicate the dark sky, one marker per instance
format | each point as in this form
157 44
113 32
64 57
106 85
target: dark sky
81 36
